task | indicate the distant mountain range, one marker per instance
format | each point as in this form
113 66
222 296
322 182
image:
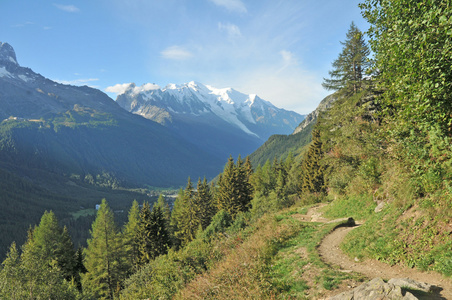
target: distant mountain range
187 130
81 131
222 121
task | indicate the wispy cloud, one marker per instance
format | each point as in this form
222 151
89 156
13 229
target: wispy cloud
288 59
82 81
67 8
23 24
231 5
176 53
233 31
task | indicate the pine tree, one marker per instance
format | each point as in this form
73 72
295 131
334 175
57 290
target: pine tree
45 266
176 213
226 193
144 237
244 188
153 237
130 237
311 169
12 285
103 257
204 203
351 65
164 206
188 221
161 240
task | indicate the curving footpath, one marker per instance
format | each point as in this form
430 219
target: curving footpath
330 252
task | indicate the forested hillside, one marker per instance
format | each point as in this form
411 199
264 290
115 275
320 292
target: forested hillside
386 143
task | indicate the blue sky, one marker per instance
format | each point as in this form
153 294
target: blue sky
277 49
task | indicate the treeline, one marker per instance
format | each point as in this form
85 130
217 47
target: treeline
48 266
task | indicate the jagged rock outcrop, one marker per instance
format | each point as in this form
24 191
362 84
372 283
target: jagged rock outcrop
324 105
377 289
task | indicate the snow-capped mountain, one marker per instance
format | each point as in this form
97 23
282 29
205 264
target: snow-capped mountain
64 129
26 94
187 107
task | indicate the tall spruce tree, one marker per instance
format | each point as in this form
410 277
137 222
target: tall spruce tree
130 237
351 65
153 236
311 169
176 213
104 257
226 193
188 220
204 203
244 187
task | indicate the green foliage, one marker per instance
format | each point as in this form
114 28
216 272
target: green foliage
411 40
153 238
311 168
280 146
104 257
234 191
130 238
45 269
351 65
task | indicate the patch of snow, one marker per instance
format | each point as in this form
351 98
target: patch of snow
24 78
12 60
4 73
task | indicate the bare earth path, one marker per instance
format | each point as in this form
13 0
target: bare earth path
330 252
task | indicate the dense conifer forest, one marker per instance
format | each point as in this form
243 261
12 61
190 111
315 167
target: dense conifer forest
387 139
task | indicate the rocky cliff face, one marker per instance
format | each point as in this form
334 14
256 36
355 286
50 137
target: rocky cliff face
324 105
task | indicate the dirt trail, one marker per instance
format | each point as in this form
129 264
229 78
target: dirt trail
330 252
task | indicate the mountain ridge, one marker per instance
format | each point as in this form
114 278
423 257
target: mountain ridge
223 121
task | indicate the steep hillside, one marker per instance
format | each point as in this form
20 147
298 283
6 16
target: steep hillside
279 146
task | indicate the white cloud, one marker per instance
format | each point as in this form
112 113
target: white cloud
67 8
231 5
288 58
118 88
77 81
291 89
176 53
233 31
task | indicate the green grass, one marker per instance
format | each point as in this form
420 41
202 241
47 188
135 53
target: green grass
83 213
357 207
298 255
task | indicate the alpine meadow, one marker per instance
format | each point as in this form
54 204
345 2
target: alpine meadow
196 192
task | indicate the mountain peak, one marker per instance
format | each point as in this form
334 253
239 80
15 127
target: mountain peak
7 54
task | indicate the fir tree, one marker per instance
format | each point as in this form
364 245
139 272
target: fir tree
47 260
164 206
188 220
204 202
311 168
130 237
351 65
153 237
144 237
12 285
103 257
176 213
226 193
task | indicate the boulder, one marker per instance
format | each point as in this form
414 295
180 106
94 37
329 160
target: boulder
376 289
